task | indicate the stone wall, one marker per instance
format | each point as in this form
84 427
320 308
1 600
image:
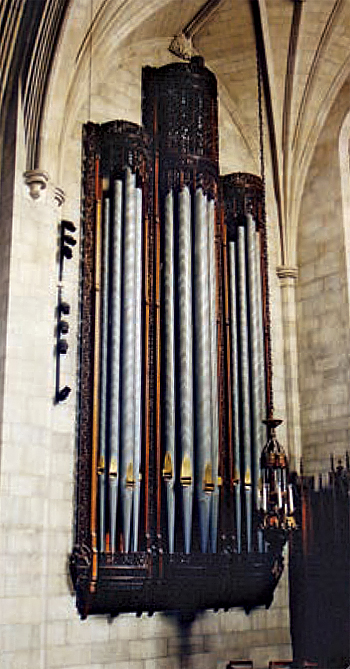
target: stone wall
323 310
7 175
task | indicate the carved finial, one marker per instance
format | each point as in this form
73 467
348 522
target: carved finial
182 47
36 180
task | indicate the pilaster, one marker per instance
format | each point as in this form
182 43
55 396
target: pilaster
288 276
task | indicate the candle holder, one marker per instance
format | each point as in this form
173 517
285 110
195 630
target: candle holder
277 496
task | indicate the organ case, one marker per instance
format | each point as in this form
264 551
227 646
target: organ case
175 373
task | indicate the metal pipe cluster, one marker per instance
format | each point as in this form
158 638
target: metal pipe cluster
189 340
248 373
196 374
184 280
121 367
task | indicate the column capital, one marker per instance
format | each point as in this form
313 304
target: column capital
36 180
288 274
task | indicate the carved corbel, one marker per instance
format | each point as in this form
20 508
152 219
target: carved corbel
37 181
181 46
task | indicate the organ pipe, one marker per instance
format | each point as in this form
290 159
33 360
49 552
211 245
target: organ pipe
196 471
262 384
186 365
157 281
115 358
203 369
254 349
244 359
212 303
169 343
147 380
128 359
235 393
138 368
226 458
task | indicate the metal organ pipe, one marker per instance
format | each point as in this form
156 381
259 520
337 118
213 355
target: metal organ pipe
127 474
254 349
169 343
204 465
214 374
138 367
197 263
262 388
243 330
115 358
235 393
186 368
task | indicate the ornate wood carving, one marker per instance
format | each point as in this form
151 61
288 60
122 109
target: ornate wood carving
243 193
185 95
181 150
90 148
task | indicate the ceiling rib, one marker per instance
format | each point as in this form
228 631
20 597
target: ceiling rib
38 74
261 54
322 45
287 103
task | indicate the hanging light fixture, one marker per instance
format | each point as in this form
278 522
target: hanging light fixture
276 495
277 499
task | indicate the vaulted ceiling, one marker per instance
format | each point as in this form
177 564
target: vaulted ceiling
304 48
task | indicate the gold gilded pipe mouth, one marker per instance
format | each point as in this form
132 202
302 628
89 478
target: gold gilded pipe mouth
113 468
168 467
101 465
130 480
248 478
186 472
208 483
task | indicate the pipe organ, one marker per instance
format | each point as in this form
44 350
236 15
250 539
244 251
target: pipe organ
175 364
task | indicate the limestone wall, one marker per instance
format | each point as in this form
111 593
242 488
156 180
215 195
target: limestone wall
7 176
323 309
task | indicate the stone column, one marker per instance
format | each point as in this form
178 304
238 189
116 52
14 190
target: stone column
288 278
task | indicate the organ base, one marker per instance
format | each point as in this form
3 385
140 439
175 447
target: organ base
137 582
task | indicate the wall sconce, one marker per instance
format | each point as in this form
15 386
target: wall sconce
66 243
